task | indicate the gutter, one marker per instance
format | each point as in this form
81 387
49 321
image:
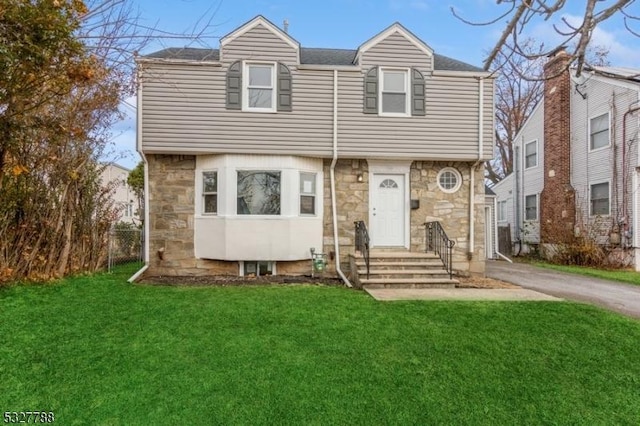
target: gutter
137 275
334 209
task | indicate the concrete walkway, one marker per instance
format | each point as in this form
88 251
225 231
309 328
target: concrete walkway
619 297
387 294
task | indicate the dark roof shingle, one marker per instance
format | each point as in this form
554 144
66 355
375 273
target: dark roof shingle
308 55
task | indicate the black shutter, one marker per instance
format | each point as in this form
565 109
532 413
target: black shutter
371 91
234 86
417 93
284 88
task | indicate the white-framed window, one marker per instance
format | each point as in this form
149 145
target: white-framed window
210 192
599 197
394 92
502 211
307 194
449 180
599 132
531 207
257 268
531 154
259 87
258 192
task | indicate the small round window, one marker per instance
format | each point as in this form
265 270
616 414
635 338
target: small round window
449 179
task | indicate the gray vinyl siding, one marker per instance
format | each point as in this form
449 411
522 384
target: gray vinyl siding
259 44
590 167
396 51
448 131
184 112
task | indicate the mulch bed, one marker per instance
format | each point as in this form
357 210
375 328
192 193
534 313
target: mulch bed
227 280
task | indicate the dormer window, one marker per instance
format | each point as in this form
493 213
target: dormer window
394 92
259 88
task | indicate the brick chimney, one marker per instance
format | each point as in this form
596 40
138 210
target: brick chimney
557 200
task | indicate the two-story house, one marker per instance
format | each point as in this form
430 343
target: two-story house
115 177
576 163
261 150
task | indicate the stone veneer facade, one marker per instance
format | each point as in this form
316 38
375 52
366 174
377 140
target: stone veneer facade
171 216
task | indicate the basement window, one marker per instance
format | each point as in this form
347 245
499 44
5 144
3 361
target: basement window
257 268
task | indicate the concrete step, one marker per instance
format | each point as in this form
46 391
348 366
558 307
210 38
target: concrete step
428 272
400 255
404 264
408 283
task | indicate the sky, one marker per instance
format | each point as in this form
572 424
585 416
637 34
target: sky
349 23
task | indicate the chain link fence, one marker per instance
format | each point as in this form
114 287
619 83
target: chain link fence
126 245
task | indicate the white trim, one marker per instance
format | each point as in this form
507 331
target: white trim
245 86
621 82
458 178
608 132
318 67
407 91
524 149
394 28
258 20
200 62
599 182
450 73
241 263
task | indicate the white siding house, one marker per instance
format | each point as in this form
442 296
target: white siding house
604 105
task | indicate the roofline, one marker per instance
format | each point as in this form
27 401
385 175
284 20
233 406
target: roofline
208 62
526 123
453 73
396 26
251 24
322 67
620 81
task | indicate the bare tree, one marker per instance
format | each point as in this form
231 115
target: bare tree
520 13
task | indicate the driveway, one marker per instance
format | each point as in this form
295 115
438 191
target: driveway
623 298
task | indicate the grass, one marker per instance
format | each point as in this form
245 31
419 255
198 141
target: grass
98 350
623 276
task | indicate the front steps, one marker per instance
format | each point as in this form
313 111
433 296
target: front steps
401 269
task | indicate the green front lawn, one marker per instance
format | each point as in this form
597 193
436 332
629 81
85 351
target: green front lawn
623 276
98 350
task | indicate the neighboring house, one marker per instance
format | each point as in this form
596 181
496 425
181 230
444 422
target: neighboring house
576 163
124 198
261 150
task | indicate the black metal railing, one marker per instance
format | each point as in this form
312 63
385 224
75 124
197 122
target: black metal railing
362 242
440 244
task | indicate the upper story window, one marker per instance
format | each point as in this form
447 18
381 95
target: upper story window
258 192
259 91
394 97
531 154
258 87
394 92
599 131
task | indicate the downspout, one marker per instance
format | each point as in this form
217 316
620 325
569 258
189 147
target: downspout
472 169
334 209
137 275
495 224
624 166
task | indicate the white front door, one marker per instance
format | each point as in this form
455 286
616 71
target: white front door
388 210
